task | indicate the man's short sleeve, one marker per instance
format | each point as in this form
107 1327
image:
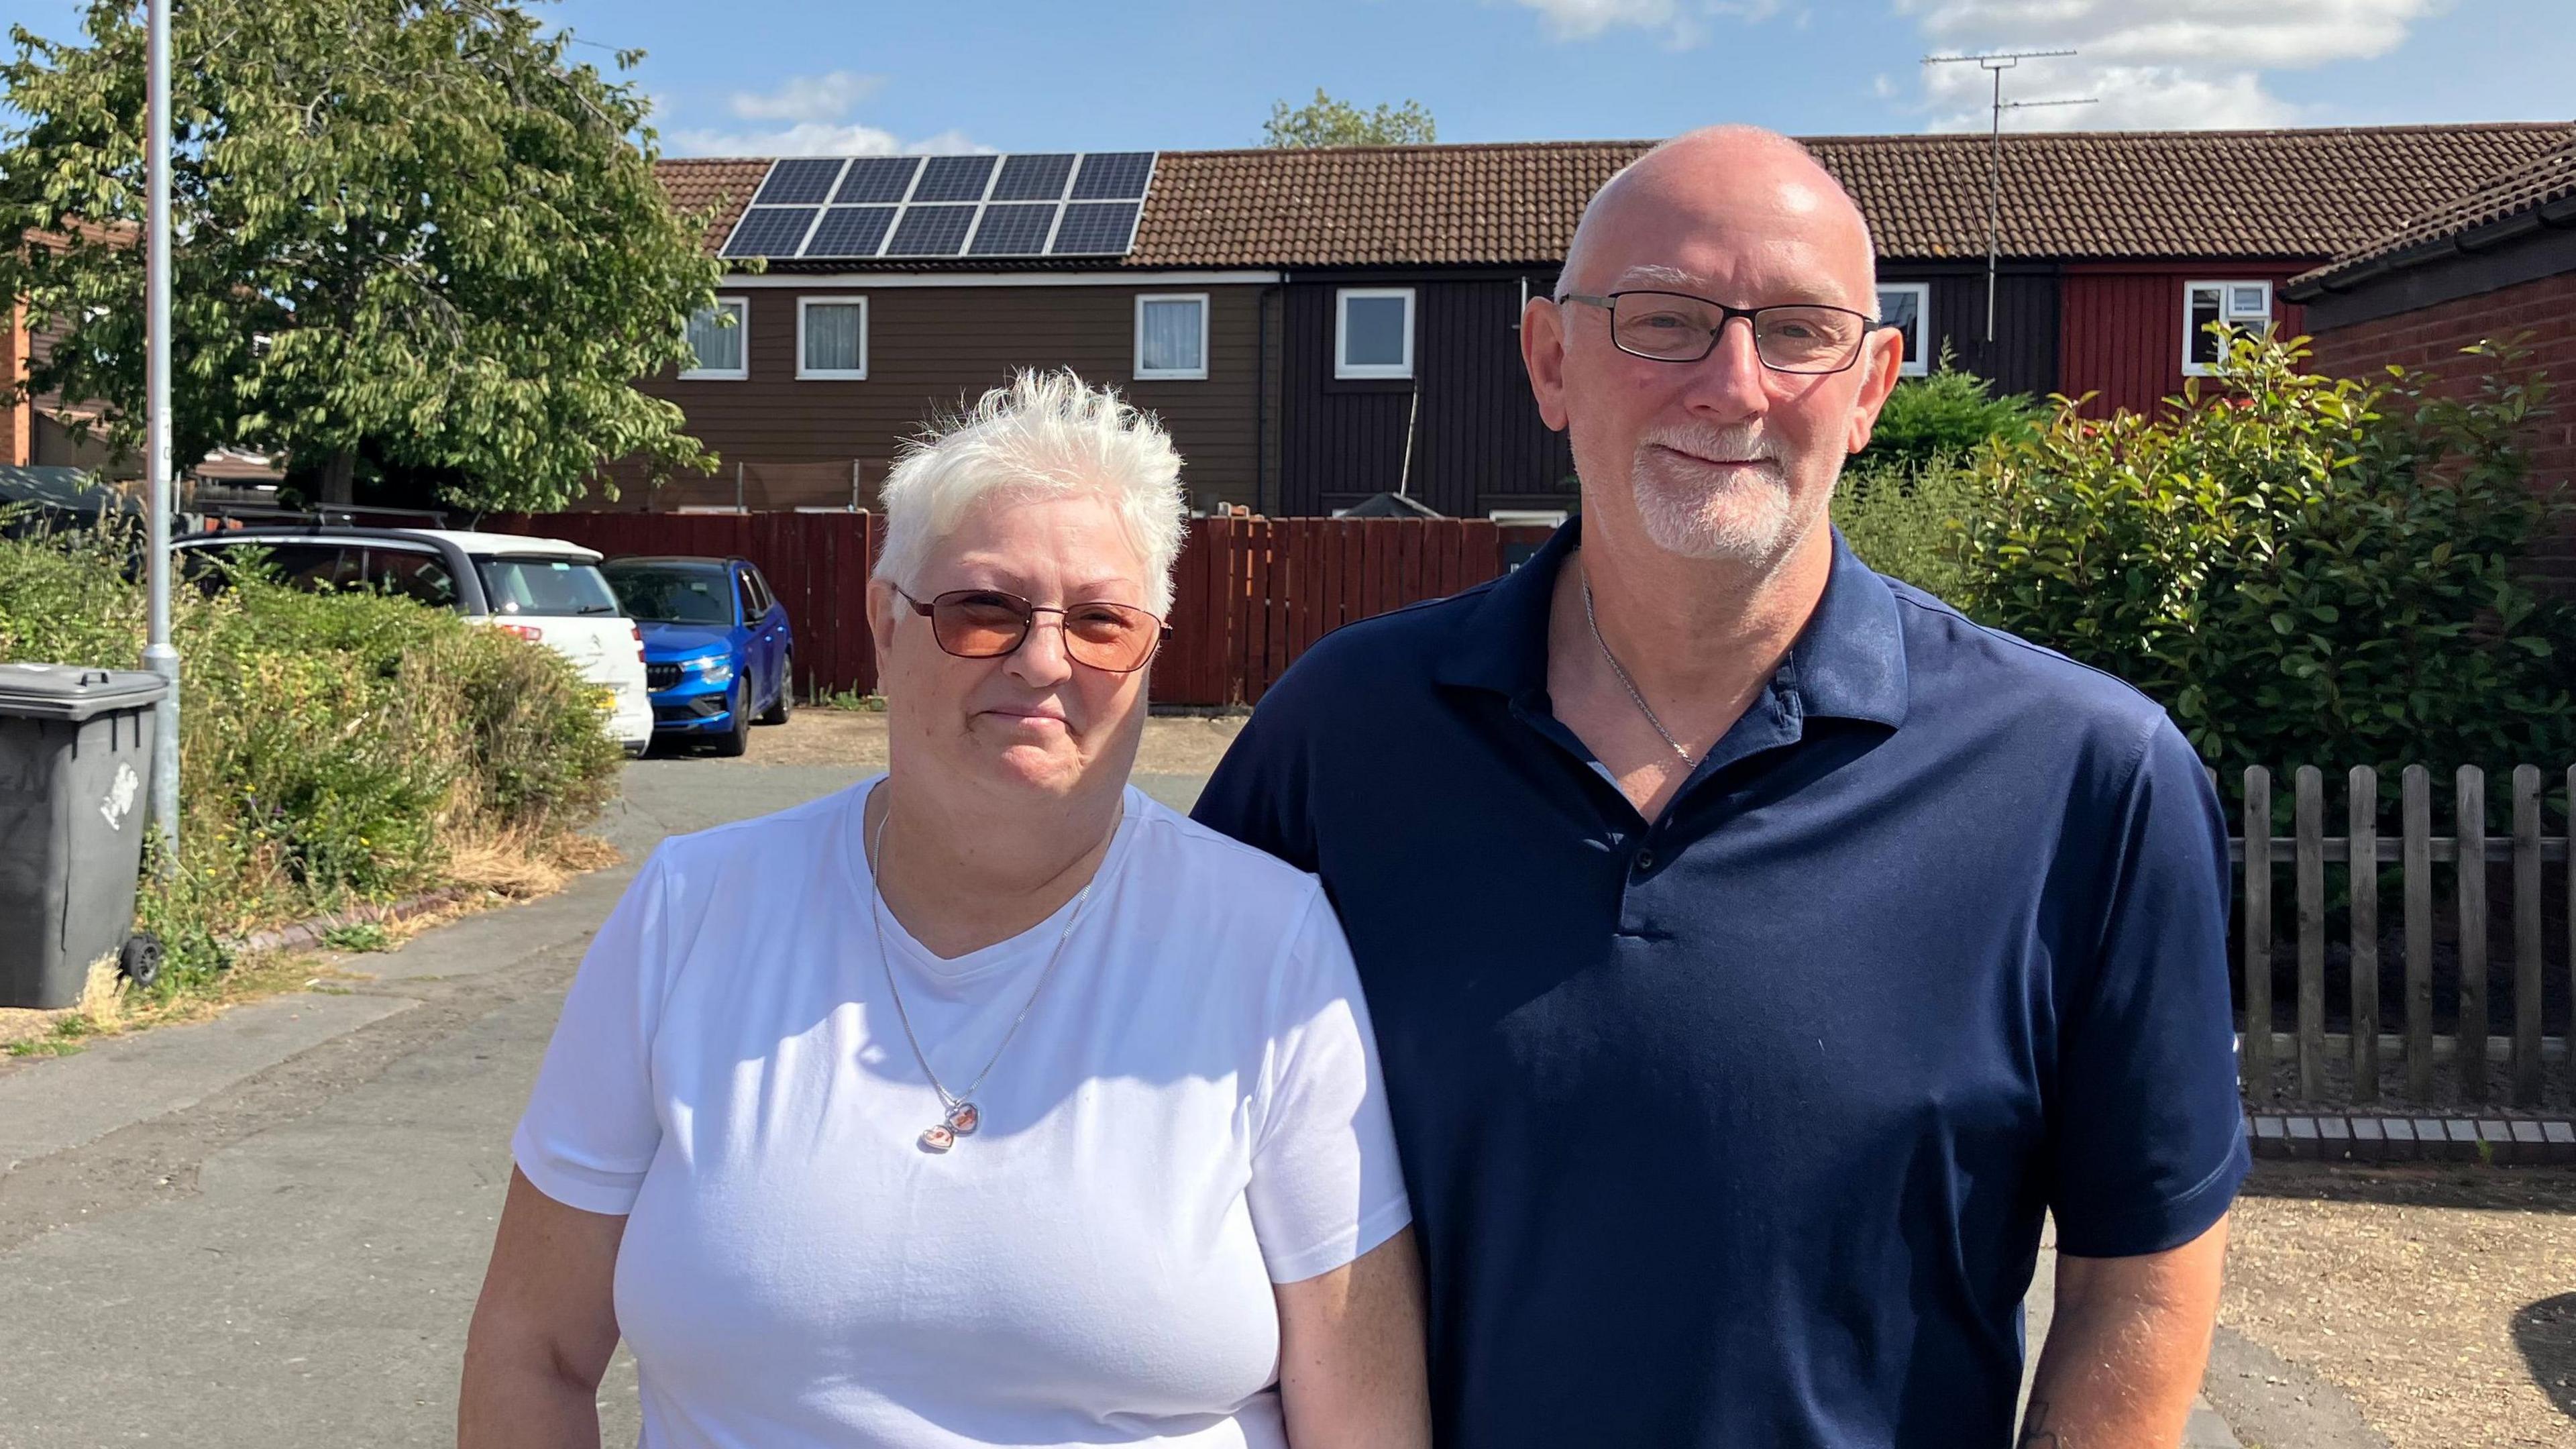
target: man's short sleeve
2149 1131
1326 1185
590 1130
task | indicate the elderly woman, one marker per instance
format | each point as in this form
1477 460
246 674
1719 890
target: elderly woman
984 1102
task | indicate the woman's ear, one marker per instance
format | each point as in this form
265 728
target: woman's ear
881 606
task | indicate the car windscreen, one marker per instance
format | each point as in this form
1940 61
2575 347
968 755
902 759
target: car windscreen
673 594
535 584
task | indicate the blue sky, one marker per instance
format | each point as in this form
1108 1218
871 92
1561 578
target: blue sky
763 77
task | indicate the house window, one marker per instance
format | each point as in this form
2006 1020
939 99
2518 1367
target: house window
716 334
1907 307
1171 335
1373 332
2243 305
832 337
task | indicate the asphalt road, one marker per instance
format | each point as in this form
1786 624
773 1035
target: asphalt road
268 1229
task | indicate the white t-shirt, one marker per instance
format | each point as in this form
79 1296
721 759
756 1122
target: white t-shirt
1190 1113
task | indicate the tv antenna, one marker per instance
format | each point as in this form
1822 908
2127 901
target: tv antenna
1995 64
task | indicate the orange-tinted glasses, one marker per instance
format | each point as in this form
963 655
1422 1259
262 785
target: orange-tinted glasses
988 624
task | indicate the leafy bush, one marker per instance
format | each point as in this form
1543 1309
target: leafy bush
332 747
1905 519
2304 570
1947 413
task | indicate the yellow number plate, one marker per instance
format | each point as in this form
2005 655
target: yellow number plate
604 700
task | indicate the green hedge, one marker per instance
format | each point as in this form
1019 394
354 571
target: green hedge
2303 570
332 747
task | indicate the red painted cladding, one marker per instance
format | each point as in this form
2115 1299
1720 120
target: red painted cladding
2120 327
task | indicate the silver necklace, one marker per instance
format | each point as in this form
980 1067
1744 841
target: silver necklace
959 1116
1616 668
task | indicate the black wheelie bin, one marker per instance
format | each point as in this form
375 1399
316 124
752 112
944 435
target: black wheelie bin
75 788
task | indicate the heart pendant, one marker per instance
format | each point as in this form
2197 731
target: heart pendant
938 1139
964 1119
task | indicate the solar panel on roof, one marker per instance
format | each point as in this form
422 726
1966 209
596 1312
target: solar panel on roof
954 178
876 178
1032 178
770 231
931 231
1013 231
1114 176
800 182
942 206
850 231
1098 228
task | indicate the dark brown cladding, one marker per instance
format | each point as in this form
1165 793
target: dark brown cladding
933 349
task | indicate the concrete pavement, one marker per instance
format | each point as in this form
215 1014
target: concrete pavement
268 1228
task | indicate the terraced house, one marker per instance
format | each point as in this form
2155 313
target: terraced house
1317 327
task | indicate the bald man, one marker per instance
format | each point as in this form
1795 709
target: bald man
1758 948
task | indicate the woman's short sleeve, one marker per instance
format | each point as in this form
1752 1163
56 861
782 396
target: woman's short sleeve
1326 1187
591 1130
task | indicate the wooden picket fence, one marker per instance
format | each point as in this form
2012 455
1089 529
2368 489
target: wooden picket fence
1251 594
2349 1066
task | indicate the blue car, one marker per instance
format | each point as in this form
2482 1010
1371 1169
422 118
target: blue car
718 655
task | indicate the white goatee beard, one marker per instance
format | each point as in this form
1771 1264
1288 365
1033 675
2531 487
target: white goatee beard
1751 519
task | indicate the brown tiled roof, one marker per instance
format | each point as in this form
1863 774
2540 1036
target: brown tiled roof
2067 195
722 182
2516 191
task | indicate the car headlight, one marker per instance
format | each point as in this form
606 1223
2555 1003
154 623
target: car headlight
714 669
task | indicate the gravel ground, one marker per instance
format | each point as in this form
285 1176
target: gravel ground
2443 1300
1173 745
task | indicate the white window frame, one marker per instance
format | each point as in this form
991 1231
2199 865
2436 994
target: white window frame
742 328
1343 367
1920 363
2226 313
832 374
1141 372
1526 517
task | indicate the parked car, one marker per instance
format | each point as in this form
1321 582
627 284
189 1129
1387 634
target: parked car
718 652
541 589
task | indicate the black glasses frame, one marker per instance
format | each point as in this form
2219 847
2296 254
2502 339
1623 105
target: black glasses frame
1028 613
1609 302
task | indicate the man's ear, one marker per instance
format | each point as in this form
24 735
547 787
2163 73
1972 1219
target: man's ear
1543 353
1885 360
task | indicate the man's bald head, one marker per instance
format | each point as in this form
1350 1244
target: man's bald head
1722 177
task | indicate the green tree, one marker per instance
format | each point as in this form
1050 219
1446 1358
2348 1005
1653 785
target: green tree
406 228
1329 122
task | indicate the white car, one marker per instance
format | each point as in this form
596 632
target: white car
541 589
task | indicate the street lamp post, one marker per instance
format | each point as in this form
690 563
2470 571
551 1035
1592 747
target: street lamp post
158 655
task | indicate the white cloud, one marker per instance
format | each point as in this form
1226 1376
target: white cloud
1680 24
2176 65
817 138
816 108
806 98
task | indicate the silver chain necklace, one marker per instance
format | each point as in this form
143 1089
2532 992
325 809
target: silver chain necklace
1618 669
959 1115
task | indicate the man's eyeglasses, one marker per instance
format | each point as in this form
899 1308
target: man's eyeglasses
1678 327
988 623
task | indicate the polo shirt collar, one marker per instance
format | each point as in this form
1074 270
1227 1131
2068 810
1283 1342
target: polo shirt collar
1849 662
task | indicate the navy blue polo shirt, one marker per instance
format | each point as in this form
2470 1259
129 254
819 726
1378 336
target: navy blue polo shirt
1735 1128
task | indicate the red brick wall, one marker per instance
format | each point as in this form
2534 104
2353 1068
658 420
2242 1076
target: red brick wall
2429 339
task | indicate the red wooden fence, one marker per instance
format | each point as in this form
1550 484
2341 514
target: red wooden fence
1251 594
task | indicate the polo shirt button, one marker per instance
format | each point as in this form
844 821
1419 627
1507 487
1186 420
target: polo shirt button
1645 861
